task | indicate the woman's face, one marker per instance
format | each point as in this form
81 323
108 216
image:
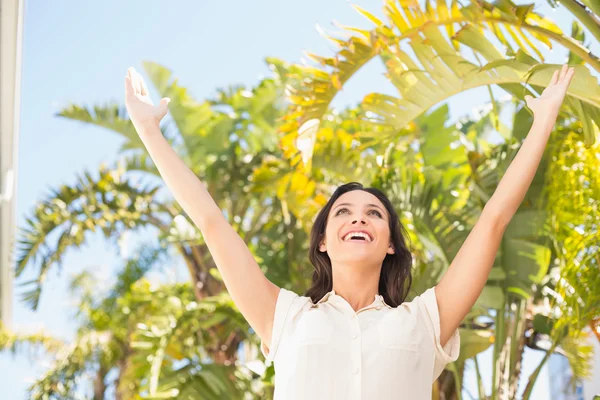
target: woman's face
357 210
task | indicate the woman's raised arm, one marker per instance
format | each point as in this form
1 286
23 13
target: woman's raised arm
463 282
250 290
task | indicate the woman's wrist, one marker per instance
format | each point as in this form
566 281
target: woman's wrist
147 127
546 122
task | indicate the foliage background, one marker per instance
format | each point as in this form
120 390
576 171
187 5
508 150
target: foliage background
79 53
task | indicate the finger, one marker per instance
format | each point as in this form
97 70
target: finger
144 88
128 87
131 75
139 82
164 104
563 73
136 81
570 74
554 79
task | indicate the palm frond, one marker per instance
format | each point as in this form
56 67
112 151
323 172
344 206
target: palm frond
205 381
16 342
590 20
437 70
111 116
176 332
70 364
109 203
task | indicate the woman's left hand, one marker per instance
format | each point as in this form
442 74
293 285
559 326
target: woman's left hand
548 104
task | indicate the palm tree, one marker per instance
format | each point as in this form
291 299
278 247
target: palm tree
229 141
438 70
134 322
441 222
224 140
573 301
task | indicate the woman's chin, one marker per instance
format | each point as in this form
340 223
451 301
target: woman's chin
358 255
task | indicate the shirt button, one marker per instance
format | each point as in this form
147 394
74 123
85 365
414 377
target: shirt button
356 369
354 335
353 316
378 307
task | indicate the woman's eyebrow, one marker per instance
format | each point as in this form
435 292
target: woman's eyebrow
350 204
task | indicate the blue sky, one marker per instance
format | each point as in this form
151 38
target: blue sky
79 52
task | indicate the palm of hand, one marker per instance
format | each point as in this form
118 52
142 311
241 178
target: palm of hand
552 97
139 105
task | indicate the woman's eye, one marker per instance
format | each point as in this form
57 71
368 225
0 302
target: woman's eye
345 209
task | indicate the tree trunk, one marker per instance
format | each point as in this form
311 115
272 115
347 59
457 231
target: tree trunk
224 351
446 386
524 323
504 364
126 386
99 385
203 283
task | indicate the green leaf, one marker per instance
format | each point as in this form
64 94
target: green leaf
578 34
491 297
542 324
473 342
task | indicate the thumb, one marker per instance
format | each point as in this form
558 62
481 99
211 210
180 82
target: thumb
528 98
164 103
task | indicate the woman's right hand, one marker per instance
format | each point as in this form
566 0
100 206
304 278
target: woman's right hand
138 103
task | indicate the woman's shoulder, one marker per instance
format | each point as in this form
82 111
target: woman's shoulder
293 300
415 298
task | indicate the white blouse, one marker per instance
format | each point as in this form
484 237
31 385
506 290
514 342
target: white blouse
329 351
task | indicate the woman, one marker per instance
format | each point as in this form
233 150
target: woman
352 336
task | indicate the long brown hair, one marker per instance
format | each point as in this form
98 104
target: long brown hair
395 279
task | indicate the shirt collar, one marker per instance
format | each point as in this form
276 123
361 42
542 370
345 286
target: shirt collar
332 296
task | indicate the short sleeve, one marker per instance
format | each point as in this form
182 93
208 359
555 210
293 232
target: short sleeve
448 353
285 299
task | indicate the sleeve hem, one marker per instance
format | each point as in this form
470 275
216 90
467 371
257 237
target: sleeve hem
282 307
451 350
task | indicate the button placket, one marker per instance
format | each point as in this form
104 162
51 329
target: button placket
356 349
